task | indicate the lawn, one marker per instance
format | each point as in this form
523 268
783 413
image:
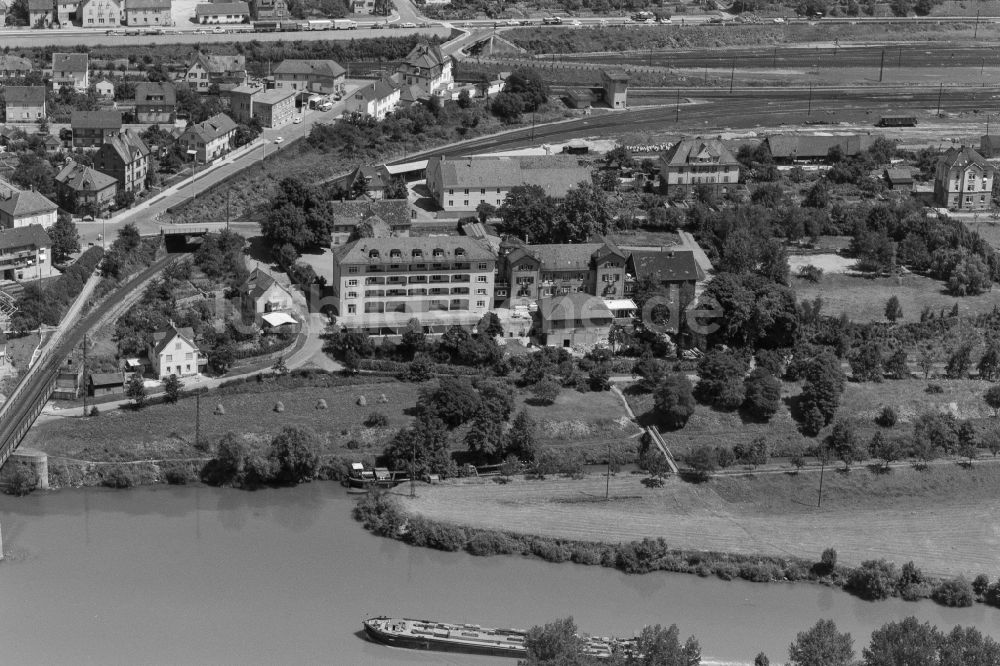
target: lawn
590 420
864 298
645 237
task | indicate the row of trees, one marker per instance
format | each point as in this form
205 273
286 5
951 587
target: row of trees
529 213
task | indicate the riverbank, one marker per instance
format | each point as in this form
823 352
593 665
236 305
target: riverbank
739 527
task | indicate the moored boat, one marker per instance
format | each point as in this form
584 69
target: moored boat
471 638
361 479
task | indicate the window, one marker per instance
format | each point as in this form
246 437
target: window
187 368
352 269
481 278
188 356
352 283
480 292
170 358
352 294
451 202
482 191
498 190
395 254
352 308
466 191
480 304
177 345
417 253
451 191
466 202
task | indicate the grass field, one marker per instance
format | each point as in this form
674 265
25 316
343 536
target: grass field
863 298
944 519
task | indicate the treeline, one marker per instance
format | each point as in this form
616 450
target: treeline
39 305
874 579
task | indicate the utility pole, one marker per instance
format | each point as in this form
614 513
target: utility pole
732 76
975 33
774 57
677 108
822 469
197 419
413 466
809 112
881 67
899 58
85 371
940 93
228 192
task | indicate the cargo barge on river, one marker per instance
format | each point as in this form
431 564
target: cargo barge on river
470 638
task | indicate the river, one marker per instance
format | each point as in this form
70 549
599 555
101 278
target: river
200 575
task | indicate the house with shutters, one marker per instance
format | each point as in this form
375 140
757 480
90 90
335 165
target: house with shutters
963 180
71 70
101 14
155 102
23 250
66 11
92 128
83 190
428 67
25 104
41 13
375 100
22 208
262 294
224 71
530 272
173 352
693 162
209 140
318 76
269 10
126 158
148 12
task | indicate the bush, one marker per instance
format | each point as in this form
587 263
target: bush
934 389
380 513
22 480
828 561
550 551
873 580
434 535
887 418
376 420
119 476
178 474
956 592
641 556
491 543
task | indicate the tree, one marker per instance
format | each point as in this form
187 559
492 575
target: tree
959 362
761 660
124 199
886 449
65 238
992 398
661 646
866 363
221 358
546 391
896 365
763 395
828 560
426 440
926 358
295 455
555 643
969 277
486 435
843 443
529 86
521 438
721 380
172 386
583 213
822 645
702 460
873 580
508 107
893 310
528 213
34 173
966 646
413 339
454 401
490 326
818 196
905 642
651 372
989 363
673 400
758 453
135 390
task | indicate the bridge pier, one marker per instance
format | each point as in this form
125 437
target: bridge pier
37 462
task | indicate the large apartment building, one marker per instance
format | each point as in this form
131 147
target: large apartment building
963 180
693 162
530 272
382 283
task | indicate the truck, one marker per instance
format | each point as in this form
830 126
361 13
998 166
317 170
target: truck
320 24
344 24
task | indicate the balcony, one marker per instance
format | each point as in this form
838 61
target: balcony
418 279
460 278
416 292
460 290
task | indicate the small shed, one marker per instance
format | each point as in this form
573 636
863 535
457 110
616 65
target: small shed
580 98
277 319
105 89
106 383
898 178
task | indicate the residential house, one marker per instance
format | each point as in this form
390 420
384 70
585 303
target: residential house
25 104
574 320
22 248
224 71
376 100
66 11
71 70
106 383
672 273
262 294
382 218
93 128
174 352
615 85
372 180
530 272
791 148
148 12
898 178
271 108
101 13
963 180
83 190
428 67
155 103
362 6
222 12
269 10
380 284
12 66
105 89
127 159
209 140
22 208
318 76
41 13
463 183
693 162
3 21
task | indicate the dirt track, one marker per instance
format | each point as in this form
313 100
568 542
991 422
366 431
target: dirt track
943 537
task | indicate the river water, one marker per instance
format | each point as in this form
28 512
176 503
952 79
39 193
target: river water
198 575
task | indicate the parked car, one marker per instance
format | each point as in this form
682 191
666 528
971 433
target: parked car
377 26
278 139
218 30
297 120
408 25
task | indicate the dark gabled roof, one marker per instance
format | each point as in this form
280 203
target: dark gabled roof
784 146
573 307
32 235
163 338
146 4
453 248
70 62
666 265
375 91
23 203
217 8
25 95
395 212
564 256
146 90
310 67
963 157
13 63
80 177
96 119
695 151
221 64
40 5
106 378
217 126
896 175
258 282
425 56
377 177
127 144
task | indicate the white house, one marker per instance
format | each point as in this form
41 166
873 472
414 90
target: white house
174 352
375 100
266 295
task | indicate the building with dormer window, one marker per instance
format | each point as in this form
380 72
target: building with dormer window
428 67
174 352
693 162
126 158
532 272
963 180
